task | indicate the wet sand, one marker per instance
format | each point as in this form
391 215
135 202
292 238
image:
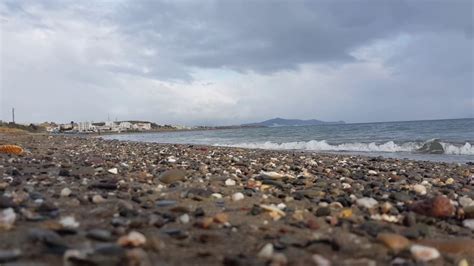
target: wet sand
87 201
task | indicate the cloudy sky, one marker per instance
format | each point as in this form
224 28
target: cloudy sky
227 62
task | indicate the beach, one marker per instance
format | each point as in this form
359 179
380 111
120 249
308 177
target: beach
71 200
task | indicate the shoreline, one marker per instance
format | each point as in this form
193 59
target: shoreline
412 156
108 202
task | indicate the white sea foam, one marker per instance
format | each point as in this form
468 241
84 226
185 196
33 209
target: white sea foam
314 145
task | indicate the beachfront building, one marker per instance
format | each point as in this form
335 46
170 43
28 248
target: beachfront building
142 126
125 125
85 127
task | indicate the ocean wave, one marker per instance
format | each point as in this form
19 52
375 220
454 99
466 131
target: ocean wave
390 146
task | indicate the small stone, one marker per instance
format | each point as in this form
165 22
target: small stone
7 218
323 211
237 196
438 207
172 176
272 175
449 181
465 201
372 172
99 234
463 262
298 215
221 218
65 192
165 203
419 189
216 195
266 252
278 259
365 202
113 171
132 239
320 260
9 255
424 253
468 223
394 242
229 182
205 223
469 212
98 199
274 211
69 222
386 207
184 218
75 255
346 213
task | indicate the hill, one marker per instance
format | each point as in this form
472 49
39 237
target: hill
281 122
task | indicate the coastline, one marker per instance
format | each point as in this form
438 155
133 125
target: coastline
302 204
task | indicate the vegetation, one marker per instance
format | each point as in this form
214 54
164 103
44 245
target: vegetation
18 128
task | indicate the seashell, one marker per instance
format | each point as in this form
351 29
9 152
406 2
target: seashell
11 149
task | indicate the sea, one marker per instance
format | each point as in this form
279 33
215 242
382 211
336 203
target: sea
450 140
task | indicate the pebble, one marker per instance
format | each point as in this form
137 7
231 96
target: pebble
465 201
319 260
171 176
365 202
323 211
99 234
65 192
439 207
419 189
98 199
9 255
221 218
424 253
469 211
266 252
372 172
394 242
216 195
237 196
7 218
449 181
468 223
229 182
113 171
278 259
184 218
272 175
165 203
132 239
69 222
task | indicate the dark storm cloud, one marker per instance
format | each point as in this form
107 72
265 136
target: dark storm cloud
274 35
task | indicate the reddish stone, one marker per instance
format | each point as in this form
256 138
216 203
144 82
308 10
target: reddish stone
313 224
439 207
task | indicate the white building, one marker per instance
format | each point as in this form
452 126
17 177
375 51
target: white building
84 126
142 126
125 125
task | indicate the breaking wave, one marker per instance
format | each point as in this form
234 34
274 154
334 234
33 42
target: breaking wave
390 146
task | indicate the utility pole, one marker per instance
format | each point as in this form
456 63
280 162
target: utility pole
13 115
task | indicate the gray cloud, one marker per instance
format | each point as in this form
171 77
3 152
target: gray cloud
229 61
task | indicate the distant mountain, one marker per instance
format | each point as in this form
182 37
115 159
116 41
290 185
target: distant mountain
281 122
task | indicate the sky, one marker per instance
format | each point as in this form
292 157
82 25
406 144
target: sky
231 62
